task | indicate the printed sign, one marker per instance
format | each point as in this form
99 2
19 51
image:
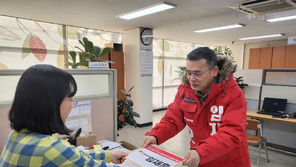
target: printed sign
154 156
98 65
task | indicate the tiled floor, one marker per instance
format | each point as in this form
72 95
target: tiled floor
180 144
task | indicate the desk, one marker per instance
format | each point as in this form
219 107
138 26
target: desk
254 114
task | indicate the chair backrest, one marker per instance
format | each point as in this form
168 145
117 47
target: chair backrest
253 124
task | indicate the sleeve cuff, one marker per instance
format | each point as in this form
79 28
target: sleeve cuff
107 156
156 140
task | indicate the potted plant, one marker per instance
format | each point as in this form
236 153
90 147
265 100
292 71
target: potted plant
89 53
227 52
125 113
240 82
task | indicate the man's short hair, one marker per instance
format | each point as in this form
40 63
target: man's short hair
203 53
39 94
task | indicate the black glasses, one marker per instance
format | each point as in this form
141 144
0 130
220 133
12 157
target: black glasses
196 75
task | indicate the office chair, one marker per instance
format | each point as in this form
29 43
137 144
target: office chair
256 140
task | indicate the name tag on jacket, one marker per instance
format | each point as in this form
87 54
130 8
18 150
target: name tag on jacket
189 100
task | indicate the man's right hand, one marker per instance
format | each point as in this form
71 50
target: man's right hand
148 140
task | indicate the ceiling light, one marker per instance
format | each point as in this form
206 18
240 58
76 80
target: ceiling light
281 19
220 28
266 36
146 11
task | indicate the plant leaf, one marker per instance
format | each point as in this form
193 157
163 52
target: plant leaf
81 43
123 92
26 48
38 48
130 102
135 114
73 56
8 35
109 61
128 108
89 46
85 40
130 89
105 51
78 48
96 51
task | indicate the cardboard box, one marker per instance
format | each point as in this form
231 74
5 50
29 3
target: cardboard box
85 141
117 47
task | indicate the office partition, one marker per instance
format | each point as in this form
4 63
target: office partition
97 86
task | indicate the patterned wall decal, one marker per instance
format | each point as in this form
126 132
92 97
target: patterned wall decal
38 48
72 32
43 27
159 64
23 37
26 50
2 66
6 34
167 46
61 58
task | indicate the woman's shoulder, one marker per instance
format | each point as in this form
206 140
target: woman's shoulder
37 140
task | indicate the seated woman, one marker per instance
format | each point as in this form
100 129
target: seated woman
42 102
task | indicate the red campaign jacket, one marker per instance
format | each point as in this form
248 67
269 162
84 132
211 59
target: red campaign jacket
217 128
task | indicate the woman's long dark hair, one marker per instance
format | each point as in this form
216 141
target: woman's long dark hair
39 94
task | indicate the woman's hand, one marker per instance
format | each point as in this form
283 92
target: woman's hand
118 157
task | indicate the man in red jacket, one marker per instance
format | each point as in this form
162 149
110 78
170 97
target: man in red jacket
213 107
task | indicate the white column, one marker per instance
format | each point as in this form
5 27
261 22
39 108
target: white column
142 92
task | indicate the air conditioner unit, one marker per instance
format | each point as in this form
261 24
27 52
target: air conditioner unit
258 7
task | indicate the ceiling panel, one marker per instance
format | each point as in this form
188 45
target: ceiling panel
174 24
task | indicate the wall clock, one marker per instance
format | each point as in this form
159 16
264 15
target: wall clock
147 37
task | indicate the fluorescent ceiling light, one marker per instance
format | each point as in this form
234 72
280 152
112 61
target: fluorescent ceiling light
281 19
147 10
220 28
266 36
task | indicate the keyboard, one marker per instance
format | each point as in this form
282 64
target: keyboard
270 113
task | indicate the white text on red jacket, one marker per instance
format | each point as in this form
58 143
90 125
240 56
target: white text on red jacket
216 118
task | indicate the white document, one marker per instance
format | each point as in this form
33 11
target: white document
110 144
154 156
146 63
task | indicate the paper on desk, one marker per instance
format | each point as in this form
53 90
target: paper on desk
110 144
154 156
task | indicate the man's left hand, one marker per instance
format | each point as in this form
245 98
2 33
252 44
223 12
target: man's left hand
191 159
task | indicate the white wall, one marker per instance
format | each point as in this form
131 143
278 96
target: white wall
238 54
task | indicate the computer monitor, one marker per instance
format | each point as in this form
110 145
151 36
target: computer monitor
274 104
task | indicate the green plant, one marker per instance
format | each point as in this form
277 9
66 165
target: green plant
181 72
88 53
227 52
125 109
240 82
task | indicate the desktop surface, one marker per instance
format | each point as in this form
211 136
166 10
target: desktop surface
254 114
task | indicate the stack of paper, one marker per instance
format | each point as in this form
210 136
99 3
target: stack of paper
110 144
